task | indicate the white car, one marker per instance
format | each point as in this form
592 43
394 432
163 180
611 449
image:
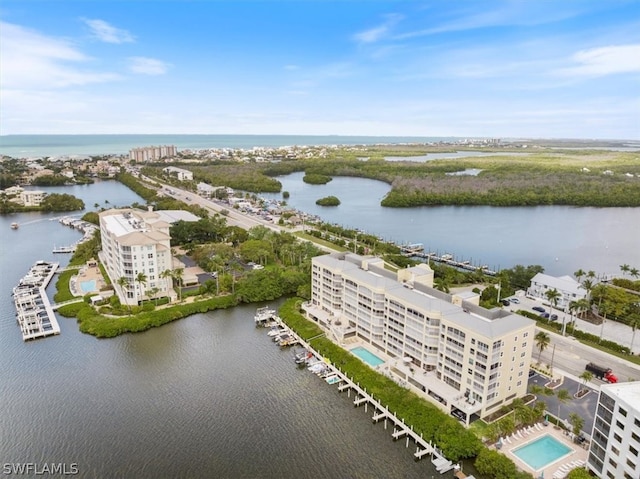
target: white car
515 300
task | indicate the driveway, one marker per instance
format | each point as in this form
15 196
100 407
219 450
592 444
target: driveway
585 407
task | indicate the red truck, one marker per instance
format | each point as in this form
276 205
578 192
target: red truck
606 374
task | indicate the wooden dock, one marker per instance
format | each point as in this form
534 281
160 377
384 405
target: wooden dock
34 313
382 413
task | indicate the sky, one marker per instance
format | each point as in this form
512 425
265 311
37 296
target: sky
501 69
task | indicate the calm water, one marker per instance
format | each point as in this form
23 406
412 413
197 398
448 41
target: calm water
560 238
207 396
26 146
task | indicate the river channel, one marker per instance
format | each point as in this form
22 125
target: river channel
562 239
206 396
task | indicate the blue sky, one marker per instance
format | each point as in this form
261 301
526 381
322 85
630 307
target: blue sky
534 68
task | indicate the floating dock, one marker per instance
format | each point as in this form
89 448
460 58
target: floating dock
380 412
416 250
33 310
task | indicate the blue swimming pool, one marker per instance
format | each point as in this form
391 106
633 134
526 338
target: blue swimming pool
541 452
368 357
88 286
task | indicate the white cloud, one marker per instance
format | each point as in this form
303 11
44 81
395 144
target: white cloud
377 33
107 33
602 61
148 66
31 60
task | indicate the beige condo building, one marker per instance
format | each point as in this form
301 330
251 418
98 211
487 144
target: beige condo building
134 242
152 153
467 360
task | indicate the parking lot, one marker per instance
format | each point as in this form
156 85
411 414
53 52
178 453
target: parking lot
585 406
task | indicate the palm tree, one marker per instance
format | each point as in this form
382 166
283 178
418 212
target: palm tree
553 295
576 423
542 340
167 273
150 293
634 272
587 284
441 284
579 274
633 322
178 274
562 396
625 269
586 376
123 282
141 279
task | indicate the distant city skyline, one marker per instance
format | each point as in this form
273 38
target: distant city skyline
509 69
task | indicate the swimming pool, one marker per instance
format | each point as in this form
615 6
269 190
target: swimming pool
541 452
88 286
368 357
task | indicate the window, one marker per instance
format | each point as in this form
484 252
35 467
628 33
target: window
619 424
622 412
150 255
617 437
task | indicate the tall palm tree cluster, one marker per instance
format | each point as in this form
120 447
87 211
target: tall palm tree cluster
141 280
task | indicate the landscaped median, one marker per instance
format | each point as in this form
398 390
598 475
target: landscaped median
92 322
448 434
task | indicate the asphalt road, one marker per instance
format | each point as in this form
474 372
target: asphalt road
567 355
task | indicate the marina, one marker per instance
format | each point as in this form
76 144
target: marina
416 250
84 227
33 310
332 375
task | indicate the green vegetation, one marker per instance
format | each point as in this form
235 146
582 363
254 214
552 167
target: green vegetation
447 433
50 180
91 322
63 293
61 202
316 179
328 201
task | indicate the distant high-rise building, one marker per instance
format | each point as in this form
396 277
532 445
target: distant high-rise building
152 153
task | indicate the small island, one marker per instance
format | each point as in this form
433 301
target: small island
328 201
316 179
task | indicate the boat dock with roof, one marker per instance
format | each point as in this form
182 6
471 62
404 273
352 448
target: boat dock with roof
33 310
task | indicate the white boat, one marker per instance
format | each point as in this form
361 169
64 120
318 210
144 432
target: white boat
14 226
264 314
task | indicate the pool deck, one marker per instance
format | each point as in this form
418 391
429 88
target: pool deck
578 453
86 273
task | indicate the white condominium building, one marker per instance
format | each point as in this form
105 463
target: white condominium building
615 439
134 242
468 360
569 289
32 197
179 173
152 153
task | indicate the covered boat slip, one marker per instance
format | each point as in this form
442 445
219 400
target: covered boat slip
34 313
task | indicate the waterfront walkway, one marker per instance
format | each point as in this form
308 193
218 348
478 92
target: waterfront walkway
380 412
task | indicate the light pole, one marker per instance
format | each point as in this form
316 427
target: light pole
564 320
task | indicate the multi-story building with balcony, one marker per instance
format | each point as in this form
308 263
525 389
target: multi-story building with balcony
615 439
468 360
570 290
134 242
152 153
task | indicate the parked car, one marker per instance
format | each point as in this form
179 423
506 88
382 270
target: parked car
540 309
553 317
515 300
544 315
506 302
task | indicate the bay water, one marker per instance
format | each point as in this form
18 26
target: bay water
207 396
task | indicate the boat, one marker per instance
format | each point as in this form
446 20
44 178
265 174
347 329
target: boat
276 331
264 315
14 226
